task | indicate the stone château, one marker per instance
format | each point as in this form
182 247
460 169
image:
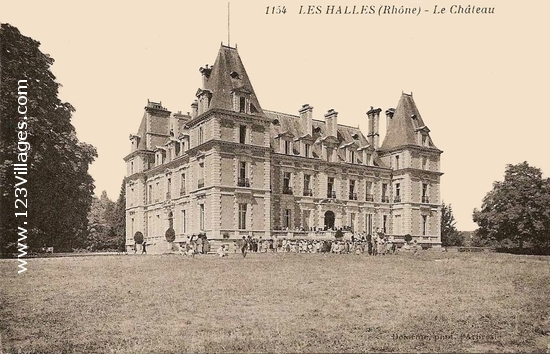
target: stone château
229 168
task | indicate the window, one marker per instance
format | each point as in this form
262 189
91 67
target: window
157 192
424 140
397 162
170 220
424 162
352 156
424 224
200 182
352 194
307 185
132 167
243 179
368 223
242 104
182 186
178 148
385 224
369 197
287 147
169 189
425 198
368 159
150 199
331 193
397 198
287 218
385 198
242 216
307 150
183 221
286 183
201 135
242 134
329 154
201 217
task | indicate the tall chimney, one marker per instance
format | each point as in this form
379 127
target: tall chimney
306 116
374 126
331 122
389 116
205 71
194 109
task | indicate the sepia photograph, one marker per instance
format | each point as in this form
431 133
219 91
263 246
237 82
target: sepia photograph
274 177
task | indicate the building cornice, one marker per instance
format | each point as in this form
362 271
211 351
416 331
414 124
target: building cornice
432 150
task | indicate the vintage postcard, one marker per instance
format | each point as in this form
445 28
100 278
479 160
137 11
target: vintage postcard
274 176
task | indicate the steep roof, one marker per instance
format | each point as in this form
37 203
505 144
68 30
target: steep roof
292 124
228 75
404 124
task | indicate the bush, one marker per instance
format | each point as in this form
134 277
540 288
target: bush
408 238
138 237
170 234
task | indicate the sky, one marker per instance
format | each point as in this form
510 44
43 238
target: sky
478 80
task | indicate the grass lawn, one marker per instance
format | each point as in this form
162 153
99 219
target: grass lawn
435 302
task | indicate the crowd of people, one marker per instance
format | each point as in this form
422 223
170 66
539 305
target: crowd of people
376 245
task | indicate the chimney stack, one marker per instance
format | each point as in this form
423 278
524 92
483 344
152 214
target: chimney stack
389 116
194 109
331 122
306 116
374 126
205 71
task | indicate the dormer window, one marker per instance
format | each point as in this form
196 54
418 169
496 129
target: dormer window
329 154
368 159
352 156
242 105
288 147
307 150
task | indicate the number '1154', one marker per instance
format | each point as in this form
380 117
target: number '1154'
275 10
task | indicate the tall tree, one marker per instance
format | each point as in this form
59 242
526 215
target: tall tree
517 209
100 218
450 236
59 187
118 223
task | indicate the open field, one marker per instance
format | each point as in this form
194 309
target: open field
435 302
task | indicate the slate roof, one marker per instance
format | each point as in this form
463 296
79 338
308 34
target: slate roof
402 127
292 124
227 75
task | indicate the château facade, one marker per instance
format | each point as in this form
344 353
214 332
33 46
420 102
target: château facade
230 169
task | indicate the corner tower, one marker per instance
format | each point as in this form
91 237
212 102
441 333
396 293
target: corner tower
409 150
